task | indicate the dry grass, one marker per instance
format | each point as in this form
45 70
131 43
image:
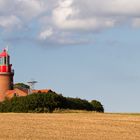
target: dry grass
69 126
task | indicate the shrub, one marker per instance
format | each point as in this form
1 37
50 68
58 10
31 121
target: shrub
48 102
41 102
78 104
21 86
97 106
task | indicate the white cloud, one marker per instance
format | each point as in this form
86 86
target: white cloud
73 14
25 10
108 7
46 34
29 9
94 14
67 16
9 22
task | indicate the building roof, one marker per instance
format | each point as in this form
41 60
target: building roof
15 92
19 92
41 91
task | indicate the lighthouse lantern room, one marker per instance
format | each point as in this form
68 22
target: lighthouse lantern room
5 65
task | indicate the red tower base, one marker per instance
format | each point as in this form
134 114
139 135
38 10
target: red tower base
6 83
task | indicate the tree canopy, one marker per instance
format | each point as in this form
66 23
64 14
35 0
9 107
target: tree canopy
48 102
21 86
97 106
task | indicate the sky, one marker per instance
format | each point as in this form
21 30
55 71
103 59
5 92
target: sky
80 48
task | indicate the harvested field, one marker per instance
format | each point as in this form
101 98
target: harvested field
69 126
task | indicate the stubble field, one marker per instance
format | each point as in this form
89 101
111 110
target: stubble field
69 126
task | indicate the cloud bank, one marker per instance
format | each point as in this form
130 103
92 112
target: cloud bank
65 21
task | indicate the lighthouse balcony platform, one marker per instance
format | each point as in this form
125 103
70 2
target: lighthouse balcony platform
9 73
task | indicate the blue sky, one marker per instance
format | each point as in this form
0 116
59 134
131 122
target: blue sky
73 48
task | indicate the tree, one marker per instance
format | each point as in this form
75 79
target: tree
78 104
97 106
42 102
21 86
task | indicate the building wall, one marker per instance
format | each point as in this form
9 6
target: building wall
6 83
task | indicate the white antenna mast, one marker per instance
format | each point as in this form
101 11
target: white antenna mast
31 84
7 48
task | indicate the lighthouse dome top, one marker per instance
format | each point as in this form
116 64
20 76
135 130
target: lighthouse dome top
4 53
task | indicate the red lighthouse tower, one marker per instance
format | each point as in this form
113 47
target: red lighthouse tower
6 74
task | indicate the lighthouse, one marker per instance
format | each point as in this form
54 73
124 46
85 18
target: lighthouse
6 74
7 90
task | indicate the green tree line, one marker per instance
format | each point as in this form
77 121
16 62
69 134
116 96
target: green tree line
42 102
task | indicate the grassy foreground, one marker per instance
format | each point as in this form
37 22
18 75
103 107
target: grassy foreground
69 126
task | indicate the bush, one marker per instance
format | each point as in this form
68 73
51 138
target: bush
78 104
41 102
21 86
97 106
47 103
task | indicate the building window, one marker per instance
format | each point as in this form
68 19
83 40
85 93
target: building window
5 60
0 61
8 60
